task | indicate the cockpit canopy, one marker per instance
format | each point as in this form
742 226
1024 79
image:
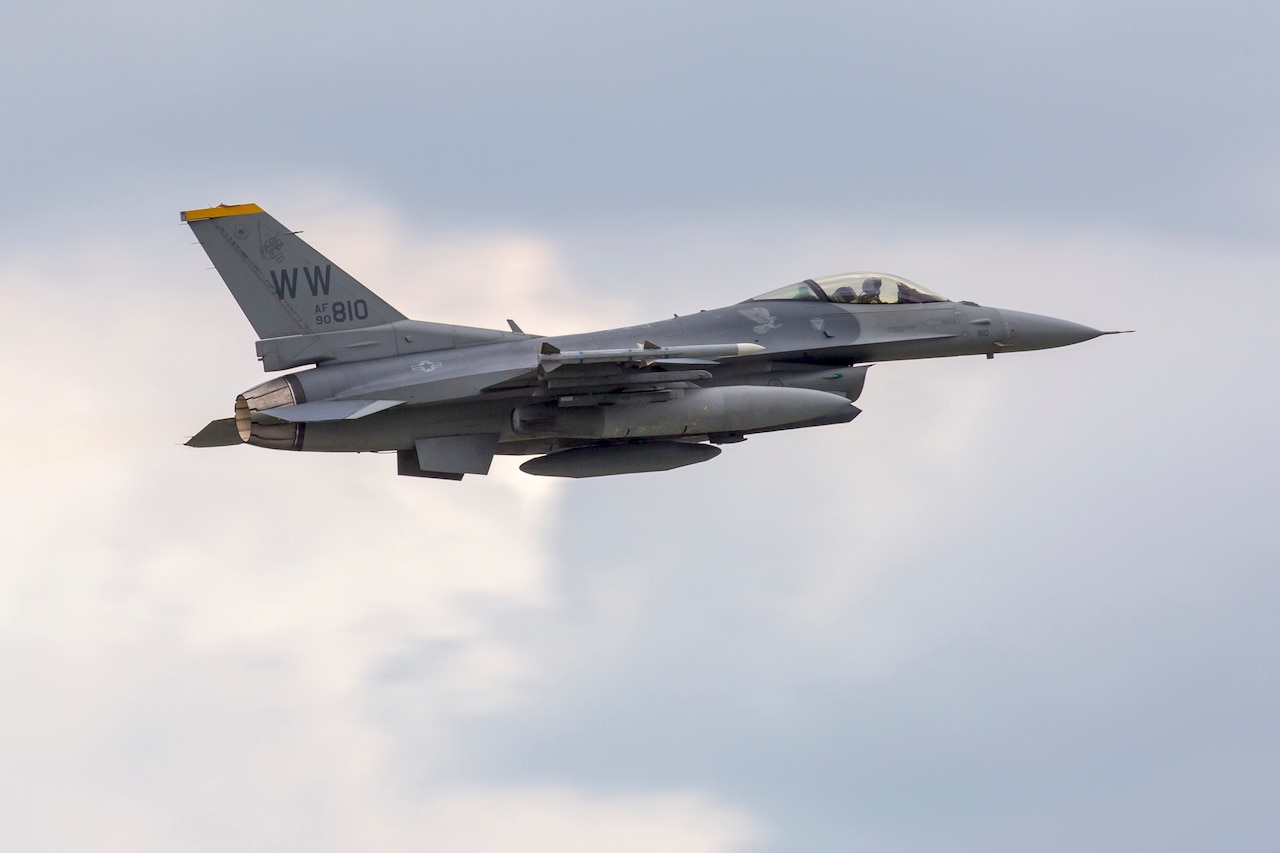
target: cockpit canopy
858 288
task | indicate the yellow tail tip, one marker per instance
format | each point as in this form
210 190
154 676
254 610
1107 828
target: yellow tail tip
220 210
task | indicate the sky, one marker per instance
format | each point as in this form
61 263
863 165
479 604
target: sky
1024 604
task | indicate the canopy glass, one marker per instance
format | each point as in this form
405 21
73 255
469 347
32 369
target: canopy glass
857 288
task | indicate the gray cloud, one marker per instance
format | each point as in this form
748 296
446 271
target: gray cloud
1045 634
1017 604
1141 114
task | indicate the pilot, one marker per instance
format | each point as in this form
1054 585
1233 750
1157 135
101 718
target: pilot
870 294
842 294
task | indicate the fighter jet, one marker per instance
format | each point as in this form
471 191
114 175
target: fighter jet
653 397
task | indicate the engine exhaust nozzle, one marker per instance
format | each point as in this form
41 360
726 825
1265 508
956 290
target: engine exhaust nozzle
263 430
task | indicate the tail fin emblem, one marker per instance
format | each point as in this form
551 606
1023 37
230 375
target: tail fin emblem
270 247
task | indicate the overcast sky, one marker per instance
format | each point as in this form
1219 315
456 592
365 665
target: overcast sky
1021 604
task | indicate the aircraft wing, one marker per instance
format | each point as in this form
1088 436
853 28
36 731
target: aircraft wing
587 377
330 410
464 373
647 367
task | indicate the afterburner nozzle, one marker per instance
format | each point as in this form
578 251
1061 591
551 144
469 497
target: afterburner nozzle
263 430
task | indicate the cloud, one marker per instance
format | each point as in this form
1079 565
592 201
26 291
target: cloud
207 622
1017 604
889 629
920 114
880 631
566 820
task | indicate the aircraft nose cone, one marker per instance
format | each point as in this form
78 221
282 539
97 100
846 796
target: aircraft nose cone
1032 331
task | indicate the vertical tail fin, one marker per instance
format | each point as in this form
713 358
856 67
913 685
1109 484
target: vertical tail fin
283 286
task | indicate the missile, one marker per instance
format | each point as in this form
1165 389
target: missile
550 358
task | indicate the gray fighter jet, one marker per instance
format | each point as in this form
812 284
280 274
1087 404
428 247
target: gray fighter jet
642 398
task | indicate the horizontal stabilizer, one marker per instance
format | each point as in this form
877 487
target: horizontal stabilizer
221 433
330 410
